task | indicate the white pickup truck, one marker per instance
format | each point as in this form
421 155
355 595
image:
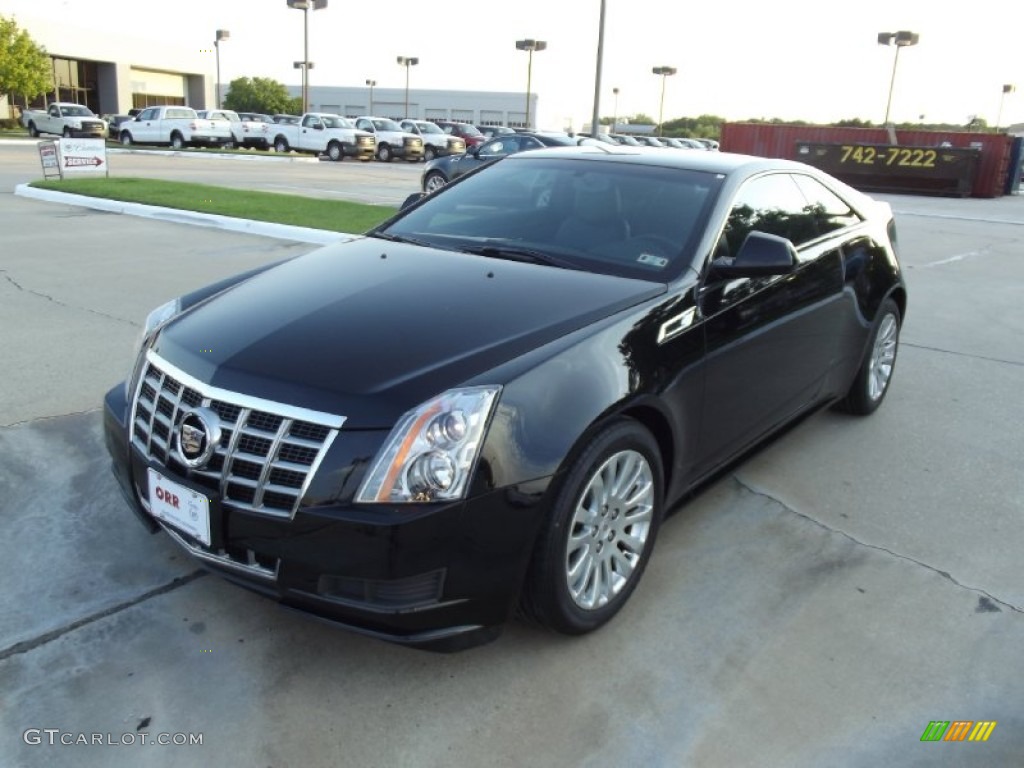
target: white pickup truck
436 143
69 120
247 133
175 126
324 133
392 141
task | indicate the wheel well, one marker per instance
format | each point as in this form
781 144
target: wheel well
900 297
656 423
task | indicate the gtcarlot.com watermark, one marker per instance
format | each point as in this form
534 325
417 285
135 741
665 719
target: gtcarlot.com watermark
55 737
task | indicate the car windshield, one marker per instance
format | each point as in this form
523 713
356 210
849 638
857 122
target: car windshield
627 219
426 127
335 121
386 124
469 130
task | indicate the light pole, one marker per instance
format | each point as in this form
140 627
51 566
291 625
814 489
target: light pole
305 65
1006 89
615 114
595 118
371 83
530 46
407 61
664 72
222 34
902 39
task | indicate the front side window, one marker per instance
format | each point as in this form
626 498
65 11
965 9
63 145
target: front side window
773 204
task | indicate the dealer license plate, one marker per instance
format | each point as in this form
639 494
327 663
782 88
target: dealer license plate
182 507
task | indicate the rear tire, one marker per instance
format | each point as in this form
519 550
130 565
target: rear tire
600 532
872 381
67 132
280 144
177 141
429 153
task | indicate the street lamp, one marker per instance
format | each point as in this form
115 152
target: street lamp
615 114
305 65
371 83
595 118
407 61
222 34
530 46
902 39
1006 89
664 72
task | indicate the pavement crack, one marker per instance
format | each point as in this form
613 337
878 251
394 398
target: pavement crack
944 574
30 645
60 303
47 418
962 354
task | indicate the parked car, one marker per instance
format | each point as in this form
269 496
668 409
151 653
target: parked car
436 143
490 131
625 140
65 119
710 144
114 123
322 133
650 141
392 140
248 134
465 131
174 126
488 403
443 170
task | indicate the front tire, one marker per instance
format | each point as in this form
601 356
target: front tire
125 138
434 181
33 131
335 152
600 532
429 153
871 383
384 153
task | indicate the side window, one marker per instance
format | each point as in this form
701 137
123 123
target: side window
772 204
828 209
148 114
364 125
309 121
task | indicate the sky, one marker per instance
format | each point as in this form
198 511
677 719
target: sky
790 59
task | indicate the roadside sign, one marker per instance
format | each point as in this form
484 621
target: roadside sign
83 156
48 157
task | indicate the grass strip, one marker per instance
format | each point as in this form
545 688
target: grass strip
330 215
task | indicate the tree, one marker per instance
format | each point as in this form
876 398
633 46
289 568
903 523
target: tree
24 65
260 94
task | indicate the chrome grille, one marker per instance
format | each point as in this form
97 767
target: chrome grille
268 452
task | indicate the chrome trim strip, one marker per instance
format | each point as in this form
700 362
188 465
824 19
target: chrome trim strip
246 401
676 325
252 568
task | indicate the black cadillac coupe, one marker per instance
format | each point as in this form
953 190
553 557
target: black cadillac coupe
485 405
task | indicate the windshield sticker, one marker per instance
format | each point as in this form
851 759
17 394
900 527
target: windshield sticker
654 261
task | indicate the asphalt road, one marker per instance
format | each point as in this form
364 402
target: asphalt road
818 606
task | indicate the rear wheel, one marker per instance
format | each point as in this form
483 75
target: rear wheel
871 383
434 181
600 532
67 132
280 144
177 141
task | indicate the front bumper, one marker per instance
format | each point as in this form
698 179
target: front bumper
437 577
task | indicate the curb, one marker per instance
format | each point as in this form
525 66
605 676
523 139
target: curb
177 216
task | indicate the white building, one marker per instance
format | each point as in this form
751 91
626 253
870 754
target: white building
114 73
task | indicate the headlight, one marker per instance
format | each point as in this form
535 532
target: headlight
430 453
155 320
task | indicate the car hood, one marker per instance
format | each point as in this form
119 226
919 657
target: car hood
368 329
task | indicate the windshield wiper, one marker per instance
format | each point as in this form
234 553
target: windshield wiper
518 253
401 239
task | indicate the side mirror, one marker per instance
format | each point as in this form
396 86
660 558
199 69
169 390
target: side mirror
474 150
411 200
760 255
